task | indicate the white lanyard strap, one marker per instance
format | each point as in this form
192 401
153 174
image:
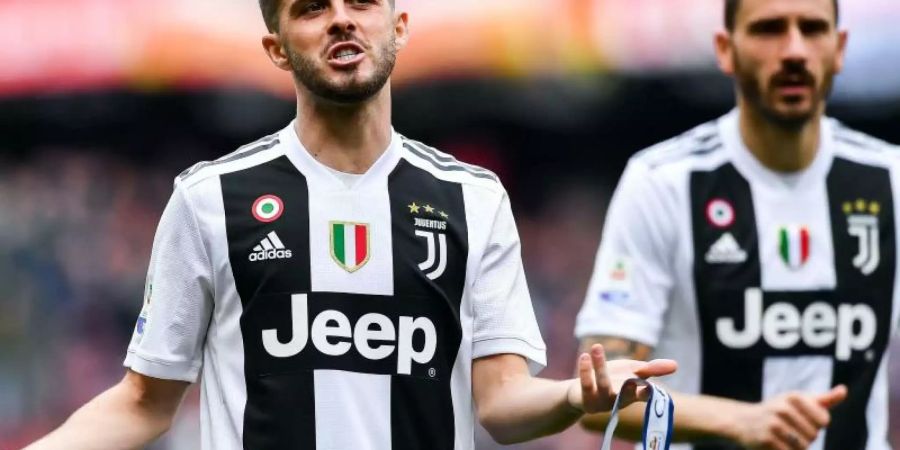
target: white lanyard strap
658 415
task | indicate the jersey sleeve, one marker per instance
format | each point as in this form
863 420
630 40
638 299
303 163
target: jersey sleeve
628 294
171 329
504 320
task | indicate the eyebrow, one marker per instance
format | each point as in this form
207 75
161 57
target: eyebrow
292 8
770 23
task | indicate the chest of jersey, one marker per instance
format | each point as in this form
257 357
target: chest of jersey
805 275
366 282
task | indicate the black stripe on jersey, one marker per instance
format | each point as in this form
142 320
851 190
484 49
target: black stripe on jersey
422 408
720 286
243 152
707 134
850 183
454 166
280 409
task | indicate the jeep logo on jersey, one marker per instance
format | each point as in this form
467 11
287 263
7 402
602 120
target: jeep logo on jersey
374 336
350 244
782 326
862 222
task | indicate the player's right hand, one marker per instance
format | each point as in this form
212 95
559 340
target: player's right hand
600 381
790 421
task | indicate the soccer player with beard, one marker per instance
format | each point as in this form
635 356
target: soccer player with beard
337 285
760 251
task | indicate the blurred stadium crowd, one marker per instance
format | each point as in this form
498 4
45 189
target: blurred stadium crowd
85 174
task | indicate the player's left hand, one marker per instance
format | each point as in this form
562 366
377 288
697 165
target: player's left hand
600 381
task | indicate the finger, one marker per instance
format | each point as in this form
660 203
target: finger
775 439
640 393
833 397
813 410
797 419
656 368
789 439
586 377
598 359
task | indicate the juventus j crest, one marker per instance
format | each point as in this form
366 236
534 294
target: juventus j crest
433 231
862 223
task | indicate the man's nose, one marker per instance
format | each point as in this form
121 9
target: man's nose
796 48
341 21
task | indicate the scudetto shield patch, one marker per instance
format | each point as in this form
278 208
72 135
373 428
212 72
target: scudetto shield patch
350 247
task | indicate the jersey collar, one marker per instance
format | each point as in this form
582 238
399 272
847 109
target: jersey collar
317 172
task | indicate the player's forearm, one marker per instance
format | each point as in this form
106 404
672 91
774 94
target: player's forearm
117 419
704 417
631 420
527 408
697 418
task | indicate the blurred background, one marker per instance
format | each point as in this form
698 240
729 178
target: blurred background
104 102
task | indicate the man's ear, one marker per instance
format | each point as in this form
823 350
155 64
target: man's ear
843 36
275 51
724 52
401 29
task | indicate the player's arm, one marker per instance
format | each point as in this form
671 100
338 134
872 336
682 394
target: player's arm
789 421
129 415
513 406
165 352
507 347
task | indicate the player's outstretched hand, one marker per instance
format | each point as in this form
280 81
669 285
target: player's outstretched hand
599 381
789 421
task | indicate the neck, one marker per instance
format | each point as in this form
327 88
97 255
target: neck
347 138
779 148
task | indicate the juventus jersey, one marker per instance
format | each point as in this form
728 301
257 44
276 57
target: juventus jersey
324 313
758 282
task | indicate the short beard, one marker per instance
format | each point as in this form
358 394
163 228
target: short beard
351 92
751 90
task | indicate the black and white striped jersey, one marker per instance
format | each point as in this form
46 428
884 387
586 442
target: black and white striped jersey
327 313
758 282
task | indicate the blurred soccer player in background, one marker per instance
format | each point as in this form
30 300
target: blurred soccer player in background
760 251
337 285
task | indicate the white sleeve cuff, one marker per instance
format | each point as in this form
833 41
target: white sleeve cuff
165 370
536 356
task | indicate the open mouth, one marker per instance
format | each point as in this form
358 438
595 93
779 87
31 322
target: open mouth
345 53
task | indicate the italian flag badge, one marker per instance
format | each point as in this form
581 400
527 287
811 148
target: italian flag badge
350 245
793 243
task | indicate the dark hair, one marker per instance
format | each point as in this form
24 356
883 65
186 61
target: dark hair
732 6
269 10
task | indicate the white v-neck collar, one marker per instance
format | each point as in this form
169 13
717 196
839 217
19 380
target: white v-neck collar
320 173
747 164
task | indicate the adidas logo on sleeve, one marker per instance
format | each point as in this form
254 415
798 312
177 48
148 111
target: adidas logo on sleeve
270 247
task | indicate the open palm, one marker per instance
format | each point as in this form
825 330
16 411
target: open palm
600 381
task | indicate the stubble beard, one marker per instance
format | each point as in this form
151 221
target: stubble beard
751 89
352 90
